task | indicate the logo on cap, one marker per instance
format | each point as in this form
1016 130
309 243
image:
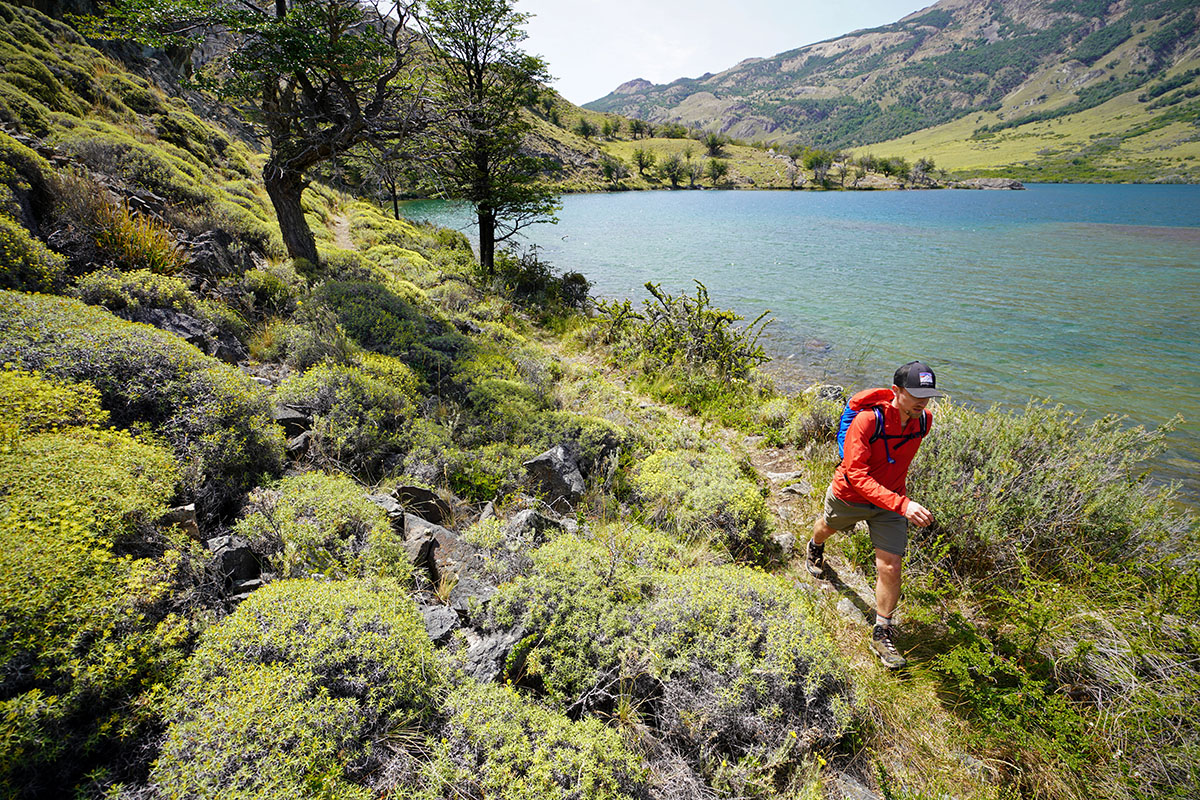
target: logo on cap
926 378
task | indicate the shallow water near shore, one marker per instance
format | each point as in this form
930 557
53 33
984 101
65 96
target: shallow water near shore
1085 295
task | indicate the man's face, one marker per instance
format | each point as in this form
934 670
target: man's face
909 407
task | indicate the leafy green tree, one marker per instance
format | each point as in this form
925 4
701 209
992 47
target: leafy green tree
714 144
480 82
695 171
585 128
613 169
639 129
643 159
672 168
318 76
819 162
716 169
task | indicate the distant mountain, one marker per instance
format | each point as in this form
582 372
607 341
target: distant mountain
1008 61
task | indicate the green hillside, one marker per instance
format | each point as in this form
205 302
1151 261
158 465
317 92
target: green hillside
1118 83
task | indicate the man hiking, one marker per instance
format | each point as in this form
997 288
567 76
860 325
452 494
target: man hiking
882 430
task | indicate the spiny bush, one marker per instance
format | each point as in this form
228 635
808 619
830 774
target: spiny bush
574 603
750 684
129 292
683 330
25 263
32 403
360 422
136 241
706 496
495 744
215 418
312 337
1044 485
92 598
320 524
292 695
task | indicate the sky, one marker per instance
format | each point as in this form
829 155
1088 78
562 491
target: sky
593 46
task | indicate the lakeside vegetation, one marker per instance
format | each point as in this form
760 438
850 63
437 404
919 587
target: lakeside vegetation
661 644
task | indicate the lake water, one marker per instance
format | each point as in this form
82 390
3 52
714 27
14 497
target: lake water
1088 295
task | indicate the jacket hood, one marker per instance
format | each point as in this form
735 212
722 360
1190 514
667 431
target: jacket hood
868 398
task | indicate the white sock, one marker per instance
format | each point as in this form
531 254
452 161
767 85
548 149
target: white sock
882 621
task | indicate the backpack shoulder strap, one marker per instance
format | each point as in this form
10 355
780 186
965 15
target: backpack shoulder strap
878 423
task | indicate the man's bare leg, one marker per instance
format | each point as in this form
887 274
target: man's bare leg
821 530
887 582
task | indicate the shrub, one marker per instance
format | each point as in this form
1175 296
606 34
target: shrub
574 603
292 694
705 496
1042 485
750 684
25 263
31 403
381 320
130 291
136 241
359 422
90 631
312 338
215 418
496 745
25 179
273 290
319 524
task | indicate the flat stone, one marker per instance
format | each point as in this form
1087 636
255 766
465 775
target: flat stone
469 593
802 488
851 612
487 655
776 477
293 420
440 622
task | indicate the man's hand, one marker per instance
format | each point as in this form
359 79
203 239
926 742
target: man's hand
918 514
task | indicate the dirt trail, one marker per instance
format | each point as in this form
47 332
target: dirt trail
340 227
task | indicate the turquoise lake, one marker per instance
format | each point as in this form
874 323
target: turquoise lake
1085 295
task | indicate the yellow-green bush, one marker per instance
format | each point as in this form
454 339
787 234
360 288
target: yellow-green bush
25 263
32 403
320 524
292 695
751 683
25 179
89 637
497 745
216 419
131 291
705 495
360 422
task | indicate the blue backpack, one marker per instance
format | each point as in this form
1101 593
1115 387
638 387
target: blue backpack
848 416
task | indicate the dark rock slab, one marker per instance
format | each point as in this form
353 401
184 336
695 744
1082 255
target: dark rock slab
470 595
293 420
234 558
558 473
423 502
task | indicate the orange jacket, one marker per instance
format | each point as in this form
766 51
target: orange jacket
865 476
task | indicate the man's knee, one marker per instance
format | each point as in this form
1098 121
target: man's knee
888 565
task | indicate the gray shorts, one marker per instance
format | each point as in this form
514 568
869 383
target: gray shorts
889 530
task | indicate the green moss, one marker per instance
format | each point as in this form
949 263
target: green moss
360 422
25 263
707 496
321 524
19 109
25 177
216 419
290 695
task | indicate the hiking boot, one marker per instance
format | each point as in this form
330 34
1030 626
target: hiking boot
814 559
885 648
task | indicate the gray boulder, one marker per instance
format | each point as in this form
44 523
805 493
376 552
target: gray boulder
470 595
529 528
212 253
558 473
487 655
293 420
438 550
440 622
201 333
